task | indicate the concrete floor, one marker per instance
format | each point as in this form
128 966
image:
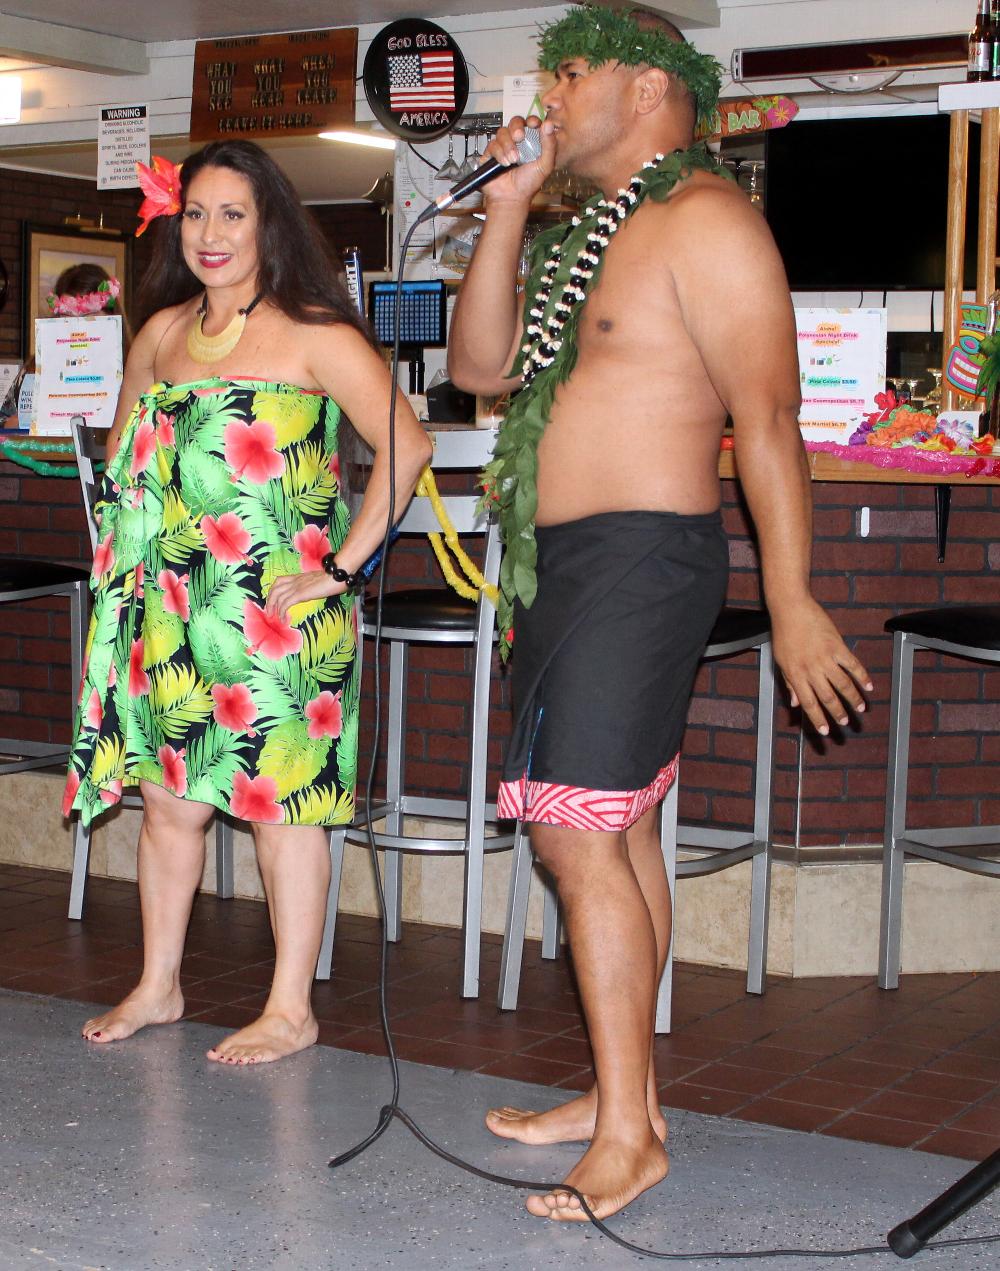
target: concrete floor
147 1156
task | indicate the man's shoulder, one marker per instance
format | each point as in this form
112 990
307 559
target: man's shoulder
702 194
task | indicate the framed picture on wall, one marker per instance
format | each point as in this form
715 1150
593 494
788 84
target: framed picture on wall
47 250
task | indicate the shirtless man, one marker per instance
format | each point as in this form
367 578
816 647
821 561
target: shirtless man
689 320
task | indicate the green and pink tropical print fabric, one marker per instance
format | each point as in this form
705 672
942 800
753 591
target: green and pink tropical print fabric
217 489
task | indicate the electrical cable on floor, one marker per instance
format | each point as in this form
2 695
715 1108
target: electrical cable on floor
392 1110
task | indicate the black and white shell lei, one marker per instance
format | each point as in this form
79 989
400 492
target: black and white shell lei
545 333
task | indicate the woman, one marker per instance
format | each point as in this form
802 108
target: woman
222 667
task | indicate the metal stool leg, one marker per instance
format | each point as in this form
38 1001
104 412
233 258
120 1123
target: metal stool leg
760 877
324 963
517 921
551 920
475 808
668 846
392 878
81 856
890 933
225 881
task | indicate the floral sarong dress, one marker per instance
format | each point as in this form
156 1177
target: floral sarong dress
218 488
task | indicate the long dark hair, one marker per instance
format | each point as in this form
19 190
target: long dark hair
297 273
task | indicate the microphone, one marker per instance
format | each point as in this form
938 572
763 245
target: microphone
529 149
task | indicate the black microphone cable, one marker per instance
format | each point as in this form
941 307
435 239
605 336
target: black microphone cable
392 1110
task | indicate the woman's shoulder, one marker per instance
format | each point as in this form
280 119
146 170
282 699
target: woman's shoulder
158 324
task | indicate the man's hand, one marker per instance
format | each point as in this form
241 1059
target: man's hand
524 179
823 675
295 589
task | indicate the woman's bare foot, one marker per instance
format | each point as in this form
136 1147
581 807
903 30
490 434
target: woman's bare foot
271 1037
571 1122
611 1174
142 1006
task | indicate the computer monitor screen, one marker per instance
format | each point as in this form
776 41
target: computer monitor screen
423 318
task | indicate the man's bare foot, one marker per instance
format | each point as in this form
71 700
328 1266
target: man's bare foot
269 1038
571 1122
611 1174
141 1007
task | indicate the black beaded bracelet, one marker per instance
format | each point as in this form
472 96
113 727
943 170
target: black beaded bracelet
353 582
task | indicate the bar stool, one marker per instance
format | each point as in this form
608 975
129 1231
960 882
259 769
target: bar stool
436 616
973 632
89 445
735 631
32 580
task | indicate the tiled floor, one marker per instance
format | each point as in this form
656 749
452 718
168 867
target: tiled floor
919 1067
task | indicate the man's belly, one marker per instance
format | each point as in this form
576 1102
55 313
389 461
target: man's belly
603 457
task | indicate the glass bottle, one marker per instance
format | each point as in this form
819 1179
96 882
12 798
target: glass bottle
981 41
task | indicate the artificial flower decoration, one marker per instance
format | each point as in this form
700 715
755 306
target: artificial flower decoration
99 301
161 185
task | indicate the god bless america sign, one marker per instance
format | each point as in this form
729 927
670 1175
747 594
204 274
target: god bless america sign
415 79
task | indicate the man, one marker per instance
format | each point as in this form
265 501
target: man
646 325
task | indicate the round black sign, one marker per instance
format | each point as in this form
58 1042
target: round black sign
416 79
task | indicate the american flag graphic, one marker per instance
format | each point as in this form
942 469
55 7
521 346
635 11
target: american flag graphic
422 81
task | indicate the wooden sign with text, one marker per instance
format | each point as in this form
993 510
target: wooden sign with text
274 85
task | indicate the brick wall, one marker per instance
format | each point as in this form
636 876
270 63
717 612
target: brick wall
836 798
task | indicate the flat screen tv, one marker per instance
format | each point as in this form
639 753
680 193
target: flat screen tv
862 203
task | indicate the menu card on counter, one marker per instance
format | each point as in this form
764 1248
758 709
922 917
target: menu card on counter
79 372
841 368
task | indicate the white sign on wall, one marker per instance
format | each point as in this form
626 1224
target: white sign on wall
79 372
841 368
522 94
122 141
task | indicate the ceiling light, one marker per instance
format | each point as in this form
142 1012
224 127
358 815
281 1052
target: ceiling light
377 140
10 99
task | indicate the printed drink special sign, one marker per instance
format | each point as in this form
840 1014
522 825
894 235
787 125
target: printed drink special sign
290 85
416 80
841 368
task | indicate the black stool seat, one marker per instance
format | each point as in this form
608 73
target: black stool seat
431 608
976 626
734 625
17 574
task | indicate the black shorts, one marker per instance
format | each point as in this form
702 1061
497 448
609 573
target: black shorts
604 662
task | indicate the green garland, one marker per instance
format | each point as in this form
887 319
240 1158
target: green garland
599 35
509 481
12 450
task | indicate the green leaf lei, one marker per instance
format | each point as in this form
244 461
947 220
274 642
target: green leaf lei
565 266
599 35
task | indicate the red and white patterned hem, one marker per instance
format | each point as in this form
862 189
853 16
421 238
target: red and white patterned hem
577 808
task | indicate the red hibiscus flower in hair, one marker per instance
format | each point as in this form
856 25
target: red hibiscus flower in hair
312 544
226 538
255 800
250 451
269 634
161 185
325 716
234 708
175 775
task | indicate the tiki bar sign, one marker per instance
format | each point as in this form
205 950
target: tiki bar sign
274 85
